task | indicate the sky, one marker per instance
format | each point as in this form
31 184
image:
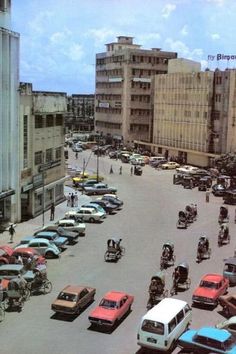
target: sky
59 39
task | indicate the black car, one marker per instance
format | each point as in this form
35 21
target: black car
218 190
72 236
113 154
106 205
114 200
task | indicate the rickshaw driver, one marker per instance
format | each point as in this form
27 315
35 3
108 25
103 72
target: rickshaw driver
204 243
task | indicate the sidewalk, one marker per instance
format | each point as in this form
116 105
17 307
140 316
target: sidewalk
27 228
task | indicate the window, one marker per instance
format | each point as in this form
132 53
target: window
153 327
38 121
180 316
49 155
171 325
58 153
59 119
218 97
3 5
49 120
38 158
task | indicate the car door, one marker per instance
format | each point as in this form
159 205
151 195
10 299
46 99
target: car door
123 306
84 298
43 246
36 246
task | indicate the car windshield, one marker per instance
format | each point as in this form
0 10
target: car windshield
67 297
109 304
209 284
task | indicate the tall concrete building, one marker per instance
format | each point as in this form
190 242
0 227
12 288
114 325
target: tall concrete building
42 162
123 107
9 118
194 112
80 113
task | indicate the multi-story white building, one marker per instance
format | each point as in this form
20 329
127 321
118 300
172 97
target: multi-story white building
42 149
123 107
9 118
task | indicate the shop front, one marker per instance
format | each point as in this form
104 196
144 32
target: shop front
5 208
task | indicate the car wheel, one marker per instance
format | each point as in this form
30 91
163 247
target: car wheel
92 220
49 254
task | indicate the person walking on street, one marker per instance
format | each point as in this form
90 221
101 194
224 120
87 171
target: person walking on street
72 198
11 232
120 170
52 211
111 170
76 155
68 198
76 199
131 171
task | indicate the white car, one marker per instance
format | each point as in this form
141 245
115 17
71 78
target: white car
171 165
43 246
72 225
229 324
86 214
187 169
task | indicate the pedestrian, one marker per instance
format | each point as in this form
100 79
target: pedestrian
76 155
207 196
76 199
68 198
19 259
235 216
120 170
131 171
72 198
11 232
111 170
52 210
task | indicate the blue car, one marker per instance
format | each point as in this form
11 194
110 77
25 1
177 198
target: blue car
208 339
48 235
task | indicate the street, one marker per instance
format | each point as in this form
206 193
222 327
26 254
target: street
147 220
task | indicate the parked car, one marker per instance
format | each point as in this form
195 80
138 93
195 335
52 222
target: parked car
10 271
73 298
43 246
106 205
72 225
208 340
211 287
85 177
113 199
52 236
230 270
218 190
27 252
86 214
229 325
188 169
6 256
71 236
171 165
87 183
95 206
229 197
228 303
114 306
99 188
158 163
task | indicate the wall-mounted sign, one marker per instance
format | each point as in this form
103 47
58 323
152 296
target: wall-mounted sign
103 105
6 194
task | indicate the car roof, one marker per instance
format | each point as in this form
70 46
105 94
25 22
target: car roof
25 250
165 310
215 278
74 289
221 335
40 240
48 233
11 266
66 221
114 295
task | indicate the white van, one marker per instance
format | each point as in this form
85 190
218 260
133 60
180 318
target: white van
163 324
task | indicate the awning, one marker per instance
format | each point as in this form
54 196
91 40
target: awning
6 194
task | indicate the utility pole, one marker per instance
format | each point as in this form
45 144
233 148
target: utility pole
98 153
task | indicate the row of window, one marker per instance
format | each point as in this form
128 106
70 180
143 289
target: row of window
108 85
50 155
140 98
48 120
108 110
113 72
108 97
140 85
112 59
148 59
146 72
140 112
108 125
187 80
139 128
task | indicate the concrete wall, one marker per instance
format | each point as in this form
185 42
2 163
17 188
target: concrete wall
181 65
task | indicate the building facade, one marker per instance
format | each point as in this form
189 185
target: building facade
194 113
80 113
9 118
42 149
123 108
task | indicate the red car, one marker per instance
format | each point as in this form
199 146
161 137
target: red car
29 252
111 309
6 256
211 287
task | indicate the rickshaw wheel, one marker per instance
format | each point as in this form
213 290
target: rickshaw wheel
106 256
188 283
47 287
174 258
2 313
228 238
226 311
209 252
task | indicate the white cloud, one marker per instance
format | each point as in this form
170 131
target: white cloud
204 64
39 23
183 50
184 30
215 36
59 37
75 52
217 2
147 38
101 35
167 9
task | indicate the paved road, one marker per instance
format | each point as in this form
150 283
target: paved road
146 221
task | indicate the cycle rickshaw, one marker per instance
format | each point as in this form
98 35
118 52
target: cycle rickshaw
180 278
114 250
203 249
167 257
156 290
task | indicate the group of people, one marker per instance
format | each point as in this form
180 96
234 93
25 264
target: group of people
72 200
120 170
